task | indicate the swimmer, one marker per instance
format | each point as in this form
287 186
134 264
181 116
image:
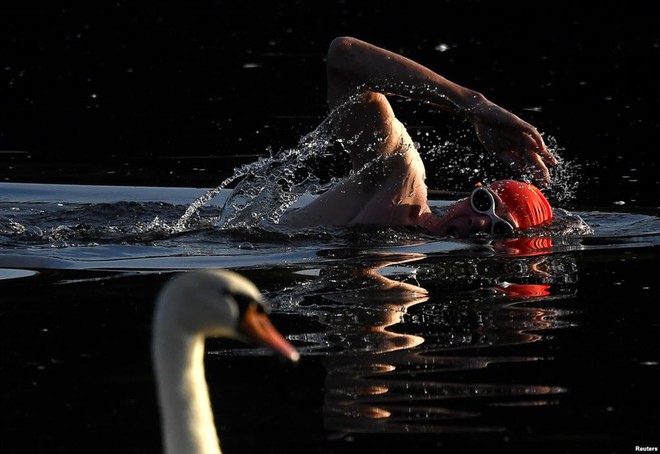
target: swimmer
387 186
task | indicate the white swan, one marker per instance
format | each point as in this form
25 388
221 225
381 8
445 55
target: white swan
189 308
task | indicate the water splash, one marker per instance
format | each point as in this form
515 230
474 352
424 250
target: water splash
460 160
269 185
192 209
565 176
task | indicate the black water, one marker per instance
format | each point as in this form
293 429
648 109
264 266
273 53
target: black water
117 94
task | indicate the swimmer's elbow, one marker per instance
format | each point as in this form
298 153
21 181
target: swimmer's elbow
341 52
340 46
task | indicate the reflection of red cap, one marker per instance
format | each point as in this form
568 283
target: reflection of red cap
524 290
526 246
525 202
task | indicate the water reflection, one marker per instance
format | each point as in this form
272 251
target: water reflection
373 303
406 338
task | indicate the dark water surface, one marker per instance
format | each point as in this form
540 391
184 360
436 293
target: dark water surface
409 343
445 344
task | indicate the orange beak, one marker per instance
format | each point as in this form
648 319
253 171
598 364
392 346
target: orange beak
259 329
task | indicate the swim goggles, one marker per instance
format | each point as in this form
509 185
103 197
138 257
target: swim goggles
483 202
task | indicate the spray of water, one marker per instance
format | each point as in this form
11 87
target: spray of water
269 185
565 177
459 159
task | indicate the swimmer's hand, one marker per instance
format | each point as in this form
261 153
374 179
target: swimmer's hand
514 141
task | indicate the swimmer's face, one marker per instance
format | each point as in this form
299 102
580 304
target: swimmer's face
462 221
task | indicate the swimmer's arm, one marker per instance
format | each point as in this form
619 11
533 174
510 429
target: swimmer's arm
355 65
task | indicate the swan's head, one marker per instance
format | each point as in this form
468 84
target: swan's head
219 303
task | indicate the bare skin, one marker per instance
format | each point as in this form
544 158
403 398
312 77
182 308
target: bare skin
387 186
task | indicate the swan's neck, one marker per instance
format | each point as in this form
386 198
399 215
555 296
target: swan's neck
187 419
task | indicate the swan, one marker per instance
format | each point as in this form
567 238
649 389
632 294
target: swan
190 307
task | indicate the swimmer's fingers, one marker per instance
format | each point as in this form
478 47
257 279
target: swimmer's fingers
535 165
535 159
524 159
517 145
528 164
535 142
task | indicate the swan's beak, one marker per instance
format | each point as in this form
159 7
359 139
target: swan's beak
257 327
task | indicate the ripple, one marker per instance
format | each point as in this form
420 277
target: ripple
6 274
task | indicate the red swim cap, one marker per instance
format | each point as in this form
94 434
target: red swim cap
525 203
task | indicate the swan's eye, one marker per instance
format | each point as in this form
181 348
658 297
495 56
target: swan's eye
244 301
